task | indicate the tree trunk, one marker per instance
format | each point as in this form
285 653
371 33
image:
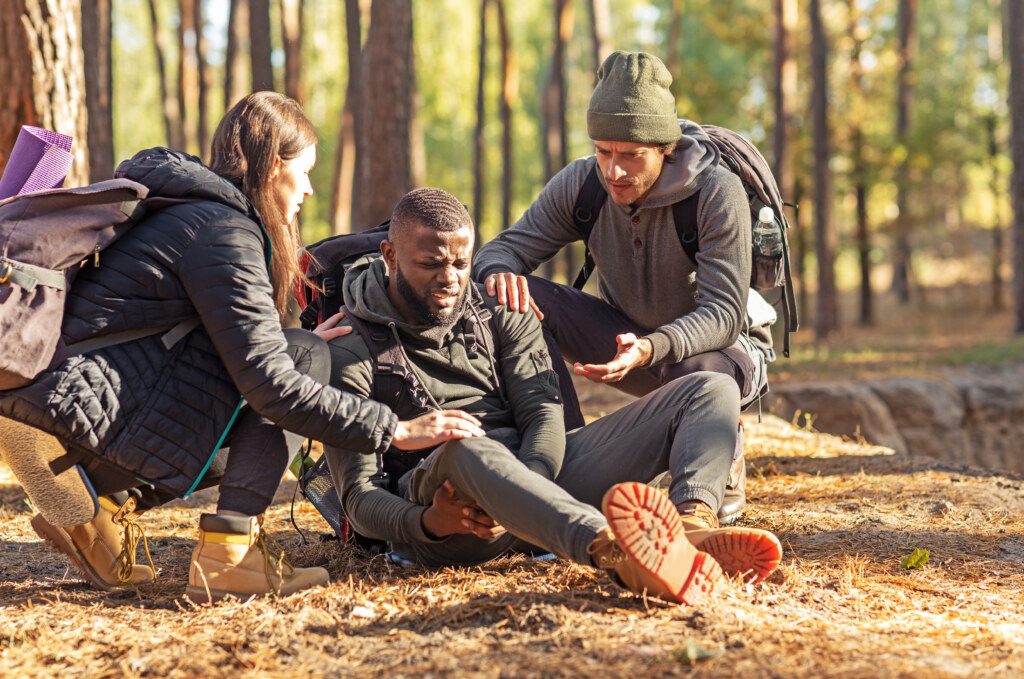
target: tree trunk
1015 33
555 137
188 87
600 29
481 113
509 90
994 59
674 52
96 35
998 247
785 93
202 82
901 266
172 128
827 317
387 115
346 161
860 179
236 66
43 76
291 37
259 45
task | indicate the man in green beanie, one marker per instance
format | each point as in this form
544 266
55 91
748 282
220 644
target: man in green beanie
659 316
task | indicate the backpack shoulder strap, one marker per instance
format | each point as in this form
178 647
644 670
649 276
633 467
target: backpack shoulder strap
392 375
684 214
585 211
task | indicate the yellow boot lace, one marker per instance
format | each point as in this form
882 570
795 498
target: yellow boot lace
274 559
133 534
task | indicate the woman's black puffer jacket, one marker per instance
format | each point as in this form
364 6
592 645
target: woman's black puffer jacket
160 414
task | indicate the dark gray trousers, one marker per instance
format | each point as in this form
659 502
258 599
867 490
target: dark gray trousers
582 328
248 469
687 427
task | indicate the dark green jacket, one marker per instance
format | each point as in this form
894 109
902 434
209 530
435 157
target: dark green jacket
515 395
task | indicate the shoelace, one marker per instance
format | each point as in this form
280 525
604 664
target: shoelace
699 512
133 534
278 564
608 555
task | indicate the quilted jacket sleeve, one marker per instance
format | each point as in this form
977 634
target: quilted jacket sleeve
225 275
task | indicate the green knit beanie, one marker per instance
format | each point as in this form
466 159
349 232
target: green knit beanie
632 101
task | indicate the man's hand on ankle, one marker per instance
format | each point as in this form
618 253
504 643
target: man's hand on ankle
449 515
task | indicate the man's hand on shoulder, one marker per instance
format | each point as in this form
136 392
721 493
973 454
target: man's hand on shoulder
512 291
633 352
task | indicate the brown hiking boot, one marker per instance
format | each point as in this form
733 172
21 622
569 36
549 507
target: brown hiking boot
646 547
235 557
103 550
735 499
751 553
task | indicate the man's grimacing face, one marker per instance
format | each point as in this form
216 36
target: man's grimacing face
629 169
430 271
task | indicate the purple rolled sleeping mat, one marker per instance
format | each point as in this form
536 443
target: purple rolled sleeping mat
41 159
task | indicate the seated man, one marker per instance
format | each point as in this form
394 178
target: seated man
507 477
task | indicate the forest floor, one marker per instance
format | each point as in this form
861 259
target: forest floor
954 326
841 604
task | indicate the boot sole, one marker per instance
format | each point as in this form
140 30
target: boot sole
61 542
199 595
752 554
645 524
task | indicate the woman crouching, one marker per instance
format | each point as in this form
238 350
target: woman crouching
230 398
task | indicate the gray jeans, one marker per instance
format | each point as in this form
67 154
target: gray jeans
687 427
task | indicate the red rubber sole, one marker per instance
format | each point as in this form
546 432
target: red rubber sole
647 527
752 554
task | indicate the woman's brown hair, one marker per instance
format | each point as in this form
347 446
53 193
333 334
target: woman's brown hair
259 128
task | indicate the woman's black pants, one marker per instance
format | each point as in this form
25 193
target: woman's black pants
249 467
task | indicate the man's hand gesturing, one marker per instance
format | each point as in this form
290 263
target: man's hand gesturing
633 352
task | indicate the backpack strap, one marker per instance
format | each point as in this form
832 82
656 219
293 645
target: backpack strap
589 202
392 374
172 334
591 199
684 215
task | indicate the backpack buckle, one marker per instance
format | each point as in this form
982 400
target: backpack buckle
5 271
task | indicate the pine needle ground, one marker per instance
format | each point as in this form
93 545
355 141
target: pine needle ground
840 605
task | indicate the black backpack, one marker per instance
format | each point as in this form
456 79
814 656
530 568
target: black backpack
768 271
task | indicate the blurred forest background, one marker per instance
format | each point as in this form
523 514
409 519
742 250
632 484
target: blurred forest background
887 121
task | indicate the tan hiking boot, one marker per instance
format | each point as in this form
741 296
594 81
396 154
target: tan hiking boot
735 498
751 553
235 557
645 546
103 550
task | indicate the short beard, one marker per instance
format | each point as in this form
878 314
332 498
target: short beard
422 315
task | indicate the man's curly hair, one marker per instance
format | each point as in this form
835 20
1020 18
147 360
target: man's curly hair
433 208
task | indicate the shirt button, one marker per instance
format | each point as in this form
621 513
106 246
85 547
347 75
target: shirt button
636 219
637 243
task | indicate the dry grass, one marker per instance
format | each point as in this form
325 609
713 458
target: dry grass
952 326
840 605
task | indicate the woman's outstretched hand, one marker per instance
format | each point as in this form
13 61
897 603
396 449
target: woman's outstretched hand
434 428
329 329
